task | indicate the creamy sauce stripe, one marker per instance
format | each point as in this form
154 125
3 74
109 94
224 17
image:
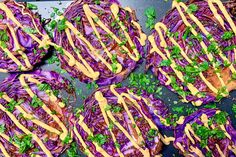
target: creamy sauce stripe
3 150
108 116
52 98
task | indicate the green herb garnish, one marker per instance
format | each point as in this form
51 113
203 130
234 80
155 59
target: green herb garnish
31 6
192 8
150 13
24 142
227 35
98 138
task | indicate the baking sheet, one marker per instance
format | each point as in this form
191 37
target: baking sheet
170 99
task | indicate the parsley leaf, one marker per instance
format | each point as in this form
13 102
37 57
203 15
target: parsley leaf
150 13
192 8
24 142
98 138
227 35
31 6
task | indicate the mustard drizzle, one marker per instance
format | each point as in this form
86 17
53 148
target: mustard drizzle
16 43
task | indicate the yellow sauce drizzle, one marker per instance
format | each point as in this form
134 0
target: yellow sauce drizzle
3 150
196 151
82 142
122 101
219 150
102 104
10 15
32 118
181 120
173 65
102 101
18 48
203 29
24 129
64 134
87 130
168 82
225 13
204 119
85 67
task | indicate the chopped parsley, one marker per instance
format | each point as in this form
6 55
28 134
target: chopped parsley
57 11
30 30
100 139
44 87
205 133
31 6
67 139
61 25
144 82
234 109
92 85
72 151
36 102
24 142
187 33
3 36
11 105
220 118
2 128
150 13
212 106
97 2
192 8
152 133
227 35
229 48
165 62
1 16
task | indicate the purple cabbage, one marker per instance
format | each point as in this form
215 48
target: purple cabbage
94 119
209 136
106 76
174 23
12 87
27 45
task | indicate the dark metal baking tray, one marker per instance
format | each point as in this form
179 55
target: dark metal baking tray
170 99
